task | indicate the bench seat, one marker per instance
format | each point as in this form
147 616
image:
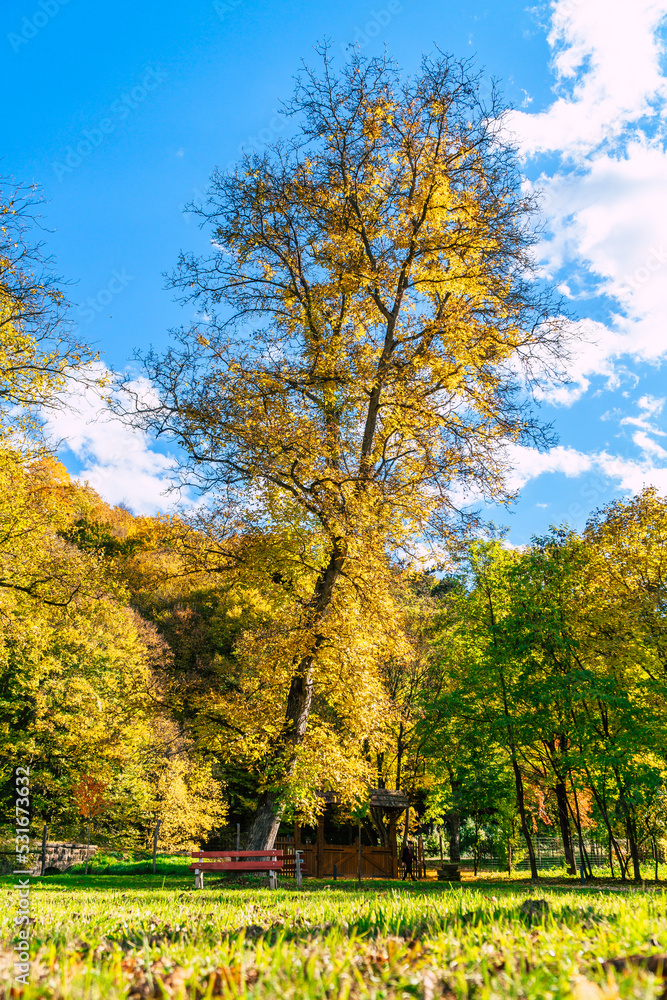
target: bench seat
237 866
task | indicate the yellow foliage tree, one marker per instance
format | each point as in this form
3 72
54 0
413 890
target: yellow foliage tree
371 325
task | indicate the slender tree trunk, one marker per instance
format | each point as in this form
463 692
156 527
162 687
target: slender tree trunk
611 856
518 780
156 834
602 806
630 830
634 850
655 855
585 861
406 829
271 805
399 757
476 854
88 847
524 819
564 822
45 835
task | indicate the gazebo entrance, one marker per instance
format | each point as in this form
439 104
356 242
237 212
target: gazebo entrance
376 862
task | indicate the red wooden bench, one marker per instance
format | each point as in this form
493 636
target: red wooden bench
264 861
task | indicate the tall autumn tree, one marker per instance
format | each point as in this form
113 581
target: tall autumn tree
370 325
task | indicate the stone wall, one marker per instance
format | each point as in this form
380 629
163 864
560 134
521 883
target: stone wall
62 856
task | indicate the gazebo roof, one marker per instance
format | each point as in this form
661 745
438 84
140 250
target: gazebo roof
389 799
386 799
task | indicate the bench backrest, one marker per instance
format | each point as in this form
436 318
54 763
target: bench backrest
236 854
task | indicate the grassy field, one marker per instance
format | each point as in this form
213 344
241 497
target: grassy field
134 934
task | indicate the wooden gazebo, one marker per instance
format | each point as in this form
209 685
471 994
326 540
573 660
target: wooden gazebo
376 862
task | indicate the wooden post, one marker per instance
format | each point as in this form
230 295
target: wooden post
359 859
394 846
44 836
421 864
155 836
319 847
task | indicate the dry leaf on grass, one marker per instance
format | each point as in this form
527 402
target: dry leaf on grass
584 989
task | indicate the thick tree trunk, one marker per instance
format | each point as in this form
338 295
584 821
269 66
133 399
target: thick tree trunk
265 826
378 825
270 807
453 820
566 833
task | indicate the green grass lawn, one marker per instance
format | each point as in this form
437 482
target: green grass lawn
134 934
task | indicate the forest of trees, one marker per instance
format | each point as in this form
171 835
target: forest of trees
226 665
526 691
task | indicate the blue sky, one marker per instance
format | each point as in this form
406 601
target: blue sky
121 111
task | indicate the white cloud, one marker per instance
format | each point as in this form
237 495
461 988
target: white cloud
628 474
606 58
633 475
650 407
648 445
606 203
607 224
592 349
648 467
118 460
528 463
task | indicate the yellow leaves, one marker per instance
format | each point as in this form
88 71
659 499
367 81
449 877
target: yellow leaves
189 801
